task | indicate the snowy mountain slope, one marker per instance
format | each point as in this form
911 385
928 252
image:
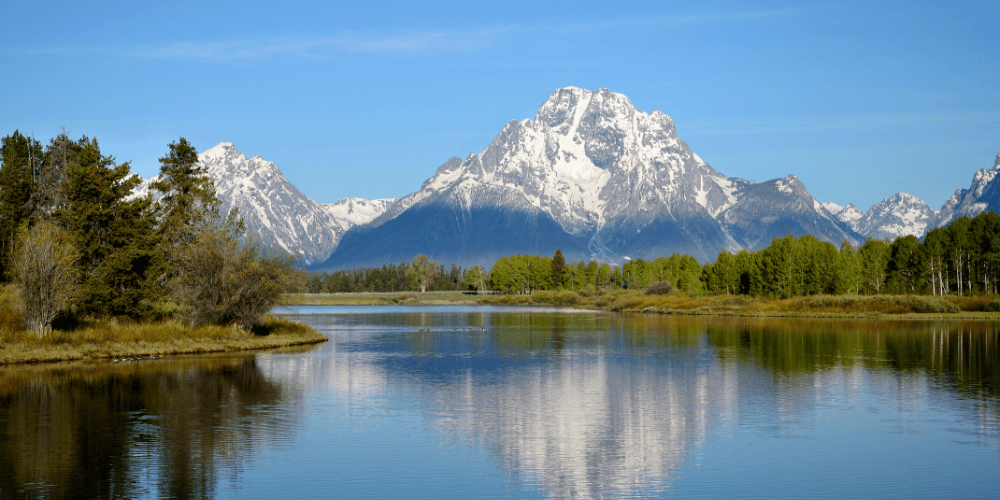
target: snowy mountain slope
614 180
350 212
271 206
982 195
899 215
273 209
850 215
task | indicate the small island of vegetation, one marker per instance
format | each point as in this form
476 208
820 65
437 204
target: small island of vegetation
90 270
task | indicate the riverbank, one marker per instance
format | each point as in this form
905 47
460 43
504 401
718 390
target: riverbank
817 306
137 341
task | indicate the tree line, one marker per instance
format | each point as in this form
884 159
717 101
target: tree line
422 274
962 258
75 241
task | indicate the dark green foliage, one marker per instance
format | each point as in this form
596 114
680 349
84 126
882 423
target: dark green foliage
59 154
114 237
558 266
189 202
21 159
391 278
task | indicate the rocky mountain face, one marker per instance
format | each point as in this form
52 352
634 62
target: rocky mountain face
590 174
350 212
276 211
982 195
899 215
903 214
594 176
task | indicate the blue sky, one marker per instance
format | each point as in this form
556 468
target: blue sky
859 100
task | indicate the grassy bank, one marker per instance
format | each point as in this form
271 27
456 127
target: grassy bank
724 305
113 339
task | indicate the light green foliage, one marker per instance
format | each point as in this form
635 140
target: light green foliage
874 256
423 271
475 278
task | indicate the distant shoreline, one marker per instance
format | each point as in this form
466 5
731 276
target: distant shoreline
635 302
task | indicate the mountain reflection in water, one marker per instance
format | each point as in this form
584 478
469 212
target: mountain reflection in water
546 403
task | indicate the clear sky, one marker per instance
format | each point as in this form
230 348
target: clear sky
859 100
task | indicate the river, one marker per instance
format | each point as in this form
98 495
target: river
495 402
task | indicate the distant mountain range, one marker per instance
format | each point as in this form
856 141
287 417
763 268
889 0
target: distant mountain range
590 174
275 210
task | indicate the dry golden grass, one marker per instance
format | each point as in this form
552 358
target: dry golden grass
850 305
973 303
117 339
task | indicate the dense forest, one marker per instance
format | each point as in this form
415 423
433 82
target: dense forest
75 242
960 259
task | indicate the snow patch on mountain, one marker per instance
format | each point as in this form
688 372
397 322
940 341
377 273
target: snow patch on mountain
899 215
350 212
982 195
272 208
832 207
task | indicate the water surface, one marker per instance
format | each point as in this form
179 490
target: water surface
494 402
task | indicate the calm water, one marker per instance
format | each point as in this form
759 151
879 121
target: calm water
543 404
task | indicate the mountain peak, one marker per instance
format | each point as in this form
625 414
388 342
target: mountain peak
220 151
996 163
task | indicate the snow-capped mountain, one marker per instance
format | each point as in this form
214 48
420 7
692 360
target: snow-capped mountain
981 196
596 177
849 215
899 215
350 212
273 209
778 207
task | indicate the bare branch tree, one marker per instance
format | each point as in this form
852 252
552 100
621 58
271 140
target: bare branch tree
43 266
223 281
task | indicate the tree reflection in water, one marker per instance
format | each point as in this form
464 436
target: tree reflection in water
169 428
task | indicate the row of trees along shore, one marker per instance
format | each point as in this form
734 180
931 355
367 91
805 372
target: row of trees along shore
76 242
960 259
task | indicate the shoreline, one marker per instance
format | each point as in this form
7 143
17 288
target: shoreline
139 350
704 305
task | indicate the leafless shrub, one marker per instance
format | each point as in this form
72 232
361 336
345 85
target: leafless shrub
222 281
659 288
43 268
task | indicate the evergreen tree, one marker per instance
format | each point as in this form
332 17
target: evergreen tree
189 201
21 158
113 236
59 154
558 268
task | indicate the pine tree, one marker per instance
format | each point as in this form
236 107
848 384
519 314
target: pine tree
21 158
59 154
113 236
558 266
189 201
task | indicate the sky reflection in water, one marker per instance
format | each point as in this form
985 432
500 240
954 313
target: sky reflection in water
544 404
